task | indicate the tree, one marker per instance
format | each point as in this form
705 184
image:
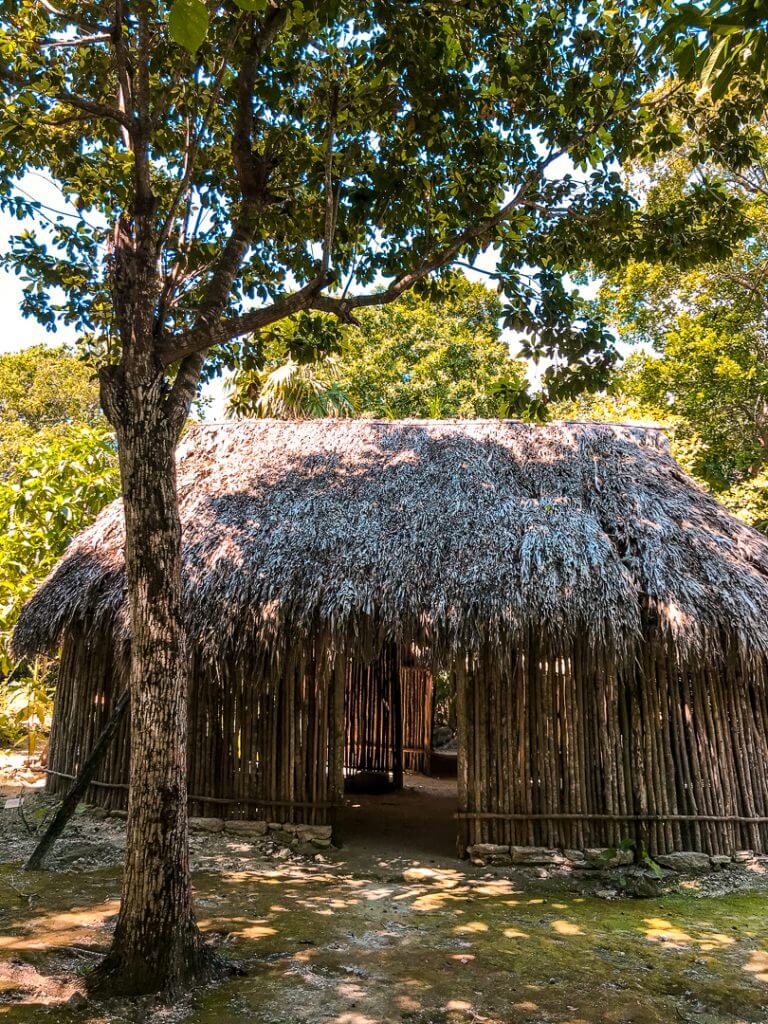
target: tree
57 469
438 359
284 158
413 358
708 316
711 371
704 389
291 390
703 322
292 371
60 479
41 390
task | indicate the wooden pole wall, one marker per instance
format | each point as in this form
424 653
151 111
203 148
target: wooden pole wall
266 739
567 750
417 698
370 711
388 716
262 738
556 748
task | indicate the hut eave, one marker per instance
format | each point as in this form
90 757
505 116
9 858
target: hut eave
455 534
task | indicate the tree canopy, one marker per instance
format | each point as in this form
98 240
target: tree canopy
42 389
715 40
55 489
58 468
698 309
413 358
375 144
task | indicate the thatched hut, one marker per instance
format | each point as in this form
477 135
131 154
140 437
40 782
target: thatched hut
603 619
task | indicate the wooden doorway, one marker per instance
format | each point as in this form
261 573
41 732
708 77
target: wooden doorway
388 717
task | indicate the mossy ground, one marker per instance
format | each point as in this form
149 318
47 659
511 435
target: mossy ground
321 943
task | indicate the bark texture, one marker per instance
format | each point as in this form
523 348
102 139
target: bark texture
157 945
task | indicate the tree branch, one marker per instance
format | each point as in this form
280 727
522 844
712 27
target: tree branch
252 176
69 98
124 89
343 308
100 37
183 389
311 297
330 205
73 19
142 133
477 270
195 341
197 137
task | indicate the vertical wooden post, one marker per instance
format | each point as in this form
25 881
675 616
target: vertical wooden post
462 770
396 696
336 761
429 716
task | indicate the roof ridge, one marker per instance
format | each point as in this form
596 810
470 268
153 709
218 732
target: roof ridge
443 421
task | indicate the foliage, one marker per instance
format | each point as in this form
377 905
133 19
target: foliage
697 183
413 358
444 701
382 142
721 262
291 391
53 491
701 322
439 359
714 375
26 703
707 390
714 40
291 372
42 389
749 501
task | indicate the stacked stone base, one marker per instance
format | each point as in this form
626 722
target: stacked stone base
286 833
600 859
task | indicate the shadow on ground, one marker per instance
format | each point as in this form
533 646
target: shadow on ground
393 929
323 945
415 823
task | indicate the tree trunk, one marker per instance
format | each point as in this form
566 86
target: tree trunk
157 946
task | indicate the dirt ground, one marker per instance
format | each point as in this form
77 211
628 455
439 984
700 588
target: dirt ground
390 928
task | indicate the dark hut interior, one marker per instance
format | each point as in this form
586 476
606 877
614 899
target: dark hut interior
273 744
602 621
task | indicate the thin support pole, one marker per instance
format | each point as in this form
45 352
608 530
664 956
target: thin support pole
79 786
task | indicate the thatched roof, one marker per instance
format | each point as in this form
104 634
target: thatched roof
455 532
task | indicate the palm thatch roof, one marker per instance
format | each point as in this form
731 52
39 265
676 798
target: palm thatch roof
452 533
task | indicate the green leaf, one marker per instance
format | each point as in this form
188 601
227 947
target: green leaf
188 23
652 865
713 56
691 15
723 80
685 56
252 6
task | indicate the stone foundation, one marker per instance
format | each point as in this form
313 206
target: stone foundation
600 859
309 839
283 833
